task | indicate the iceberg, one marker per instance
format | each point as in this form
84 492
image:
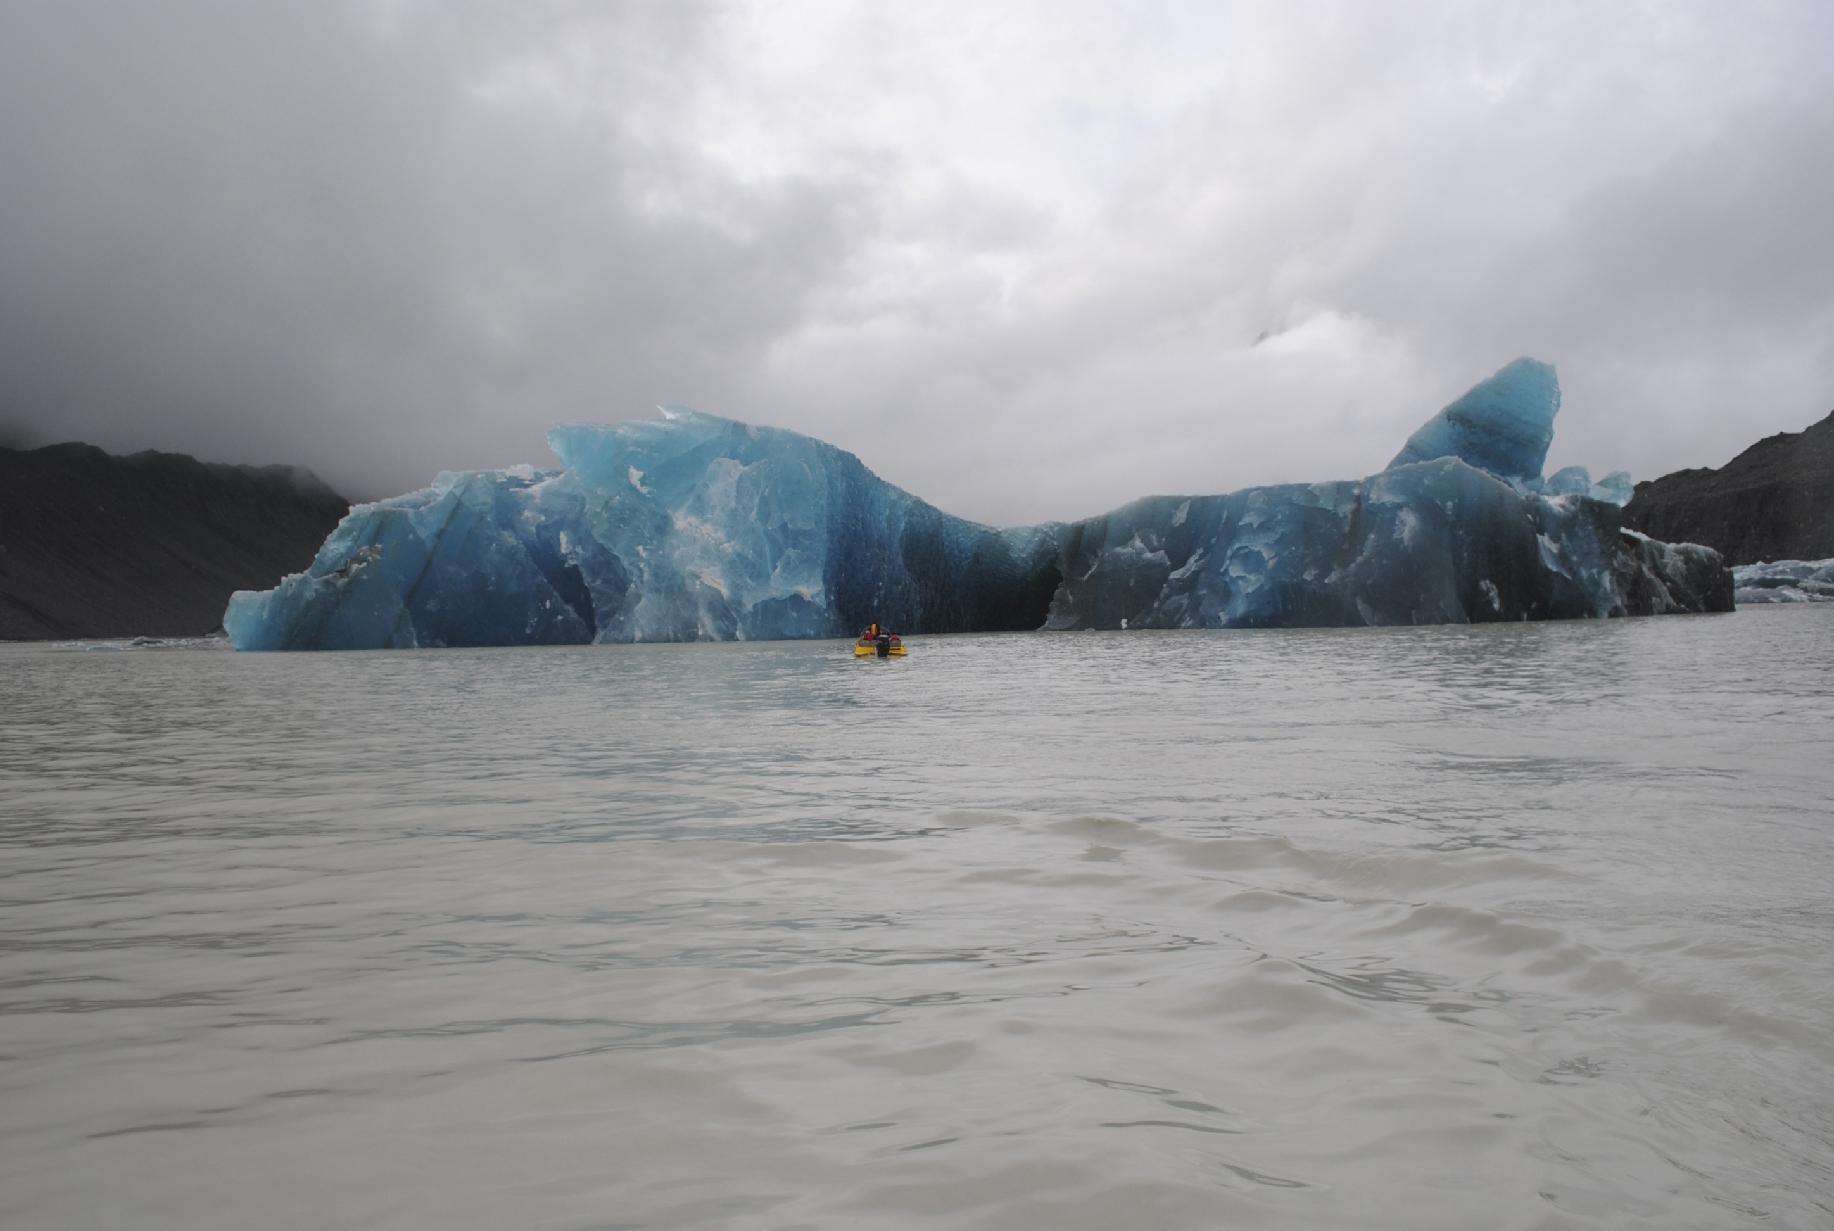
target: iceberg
1784 581
695 527
689 528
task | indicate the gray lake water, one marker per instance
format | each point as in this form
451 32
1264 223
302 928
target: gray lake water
1500 927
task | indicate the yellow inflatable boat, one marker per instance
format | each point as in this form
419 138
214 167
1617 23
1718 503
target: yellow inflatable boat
885 647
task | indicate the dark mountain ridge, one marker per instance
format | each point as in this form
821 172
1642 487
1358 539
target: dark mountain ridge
96 545
1774 501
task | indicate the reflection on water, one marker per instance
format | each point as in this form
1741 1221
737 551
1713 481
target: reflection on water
1515 926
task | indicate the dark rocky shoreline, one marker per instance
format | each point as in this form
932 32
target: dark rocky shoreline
95 545
1774 501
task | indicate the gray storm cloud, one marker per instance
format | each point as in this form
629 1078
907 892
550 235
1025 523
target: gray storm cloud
1028 263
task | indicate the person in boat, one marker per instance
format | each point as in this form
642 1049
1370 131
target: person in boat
871 633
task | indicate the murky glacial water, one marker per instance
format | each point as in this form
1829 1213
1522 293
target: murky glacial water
1509 927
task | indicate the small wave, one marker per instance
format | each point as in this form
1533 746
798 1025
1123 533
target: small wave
1393 872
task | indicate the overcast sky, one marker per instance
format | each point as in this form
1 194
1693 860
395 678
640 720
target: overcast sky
1028 260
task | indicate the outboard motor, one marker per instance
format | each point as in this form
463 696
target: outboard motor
885 645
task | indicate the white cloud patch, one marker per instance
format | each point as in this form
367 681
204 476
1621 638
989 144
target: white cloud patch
1028 261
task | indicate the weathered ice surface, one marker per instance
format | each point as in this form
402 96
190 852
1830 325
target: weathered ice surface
1430 542
1774 501
1504 425
1614 488
1460 527
688 528
94 545
695 527
1785 581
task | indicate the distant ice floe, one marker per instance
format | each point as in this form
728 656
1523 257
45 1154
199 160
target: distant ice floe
1784 581
216 641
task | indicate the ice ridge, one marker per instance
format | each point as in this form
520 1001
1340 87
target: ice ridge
1503 425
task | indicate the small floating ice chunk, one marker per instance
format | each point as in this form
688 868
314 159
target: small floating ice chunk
1784 581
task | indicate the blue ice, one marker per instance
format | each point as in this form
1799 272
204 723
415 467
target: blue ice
695 527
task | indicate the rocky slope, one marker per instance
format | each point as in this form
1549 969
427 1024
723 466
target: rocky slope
1774 501
94 545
